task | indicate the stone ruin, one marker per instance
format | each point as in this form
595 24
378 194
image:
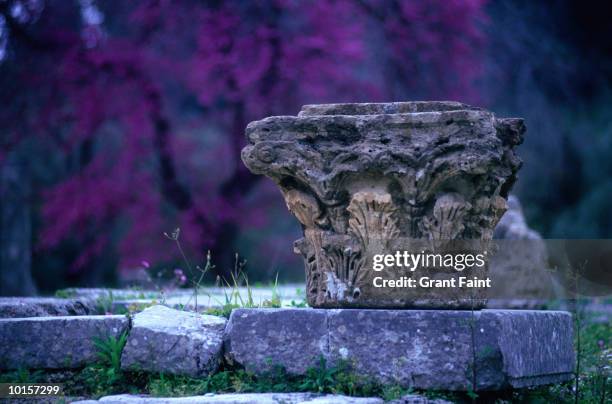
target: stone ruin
365 179
361 179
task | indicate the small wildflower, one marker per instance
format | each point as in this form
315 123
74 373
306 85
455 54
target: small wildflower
145 264
174 235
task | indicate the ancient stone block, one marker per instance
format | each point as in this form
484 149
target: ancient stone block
419 348
172 341
259 339
366 179
15 307
55 342
423 349
531 347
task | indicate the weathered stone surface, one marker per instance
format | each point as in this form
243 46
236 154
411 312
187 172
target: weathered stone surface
15 307
373 108
536 347
519 269
245 398
55 342
173 341
108 293
428 349
261 338
419 348
366 179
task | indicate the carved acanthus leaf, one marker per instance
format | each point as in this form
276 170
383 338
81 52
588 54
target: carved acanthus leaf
373 218
446 222
305 208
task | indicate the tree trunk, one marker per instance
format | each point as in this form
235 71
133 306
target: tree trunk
233 191
15 231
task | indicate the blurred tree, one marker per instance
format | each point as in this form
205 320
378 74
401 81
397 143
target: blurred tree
15 228
429 49
135 113
553 67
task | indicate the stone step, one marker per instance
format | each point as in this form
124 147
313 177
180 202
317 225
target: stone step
18 307
423 349
55 342
261 398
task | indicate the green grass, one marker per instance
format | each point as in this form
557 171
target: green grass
594 381
65 294
234 298
109 350
106 378
22 376
319 379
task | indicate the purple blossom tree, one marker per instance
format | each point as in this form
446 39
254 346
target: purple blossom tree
134 114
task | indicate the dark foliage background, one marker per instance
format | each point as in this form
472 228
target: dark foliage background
122 120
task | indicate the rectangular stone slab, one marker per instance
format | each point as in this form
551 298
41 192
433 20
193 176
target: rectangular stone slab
258 339
529 342
55 342
426 349
422 348
18 307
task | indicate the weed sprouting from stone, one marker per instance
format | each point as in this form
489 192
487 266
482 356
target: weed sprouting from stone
196 273
300 303
22 376
320 378
237 296
109 353
233 295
